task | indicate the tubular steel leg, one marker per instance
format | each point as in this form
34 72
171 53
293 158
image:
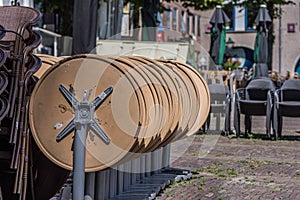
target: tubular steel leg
90 184
148 164
166 156
79 163
100 185
143 167
113 183
120 186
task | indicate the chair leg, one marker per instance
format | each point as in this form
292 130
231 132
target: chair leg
247 124
279 126
208 122
269 121
227 119
237 121
275 123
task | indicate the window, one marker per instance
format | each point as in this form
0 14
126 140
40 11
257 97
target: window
297 67
229 12
251 15
168 13
198 26
174 19
192 24
160 19
241 18
182 22
188 24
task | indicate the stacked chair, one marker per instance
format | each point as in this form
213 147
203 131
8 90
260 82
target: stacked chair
220 102
220 105
4 105
18 64
286 104
254 100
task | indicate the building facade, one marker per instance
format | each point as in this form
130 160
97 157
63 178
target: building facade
286 48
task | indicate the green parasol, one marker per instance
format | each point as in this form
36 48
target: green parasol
218 35
261 43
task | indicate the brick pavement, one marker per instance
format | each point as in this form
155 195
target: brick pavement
243 168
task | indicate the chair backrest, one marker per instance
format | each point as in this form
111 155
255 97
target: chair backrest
2 57
290 90
218 92
258 88
35 41
17 19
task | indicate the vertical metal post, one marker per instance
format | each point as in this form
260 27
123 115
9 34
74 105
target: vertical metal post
113 183
280 39
148 164
90 184
143 167
166 156
100 185
55 46
79 161
120 170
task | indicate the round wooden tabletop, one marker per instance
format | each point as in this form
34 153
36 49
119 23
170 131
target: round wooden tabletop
50 112
153 103
47 62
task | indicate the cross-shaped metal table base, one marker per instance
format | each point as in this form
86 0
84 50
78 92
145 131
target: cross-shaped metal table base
83 122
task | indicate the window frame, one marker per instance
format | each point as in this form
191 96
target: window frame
233 19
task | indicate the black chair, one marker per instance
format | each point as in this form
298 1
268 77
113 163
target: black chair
220 99
286 103
254 100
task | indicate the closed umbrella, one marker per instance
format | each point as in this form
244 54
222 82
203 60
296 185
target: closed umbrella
84 26
261 43
218 35
149 13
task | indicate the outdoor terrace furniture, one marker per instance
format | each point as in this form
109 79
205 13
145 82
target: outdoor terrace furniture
254 100
286 104
17 41
220 89
27 66
16 23
220 105
4 105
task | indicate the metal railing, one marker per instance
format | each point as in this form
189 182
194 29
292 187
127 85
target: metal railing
50 33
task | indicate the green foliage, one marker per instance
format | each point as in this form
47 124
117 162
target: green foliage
231 64
201 4
272 5
65 8
209 4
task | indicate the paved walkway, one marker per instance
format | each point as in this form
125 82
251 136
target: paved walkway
244 168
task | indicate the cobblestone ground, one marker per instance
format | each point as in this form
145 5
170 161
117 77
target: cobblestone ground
252 167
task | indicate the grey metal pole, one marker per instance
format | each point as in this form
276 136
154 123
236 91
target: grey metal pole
120 186
79 161
143 167
280 39
148 164
166 156
90 184
113 182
